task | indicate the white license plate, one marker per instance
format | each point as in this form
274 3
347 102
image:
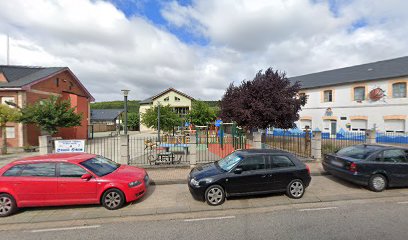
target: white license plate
337 163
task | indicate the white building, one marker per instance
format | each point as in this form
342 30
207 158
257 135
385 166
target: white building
357 98
180 102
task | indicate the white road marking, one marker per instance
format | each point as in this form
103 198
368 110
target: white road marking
316 209
64 229
403 202
205 219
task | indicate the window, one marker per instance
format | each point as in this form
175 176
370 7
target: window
5 100
166 99
395 125
57 82
70 85
71 170
229 161
100 166
328 96
251 163
359 93
39 170
176 99
358 151
394 155
280 161
181 111
10 132
305 124
399 90
14 171
358 125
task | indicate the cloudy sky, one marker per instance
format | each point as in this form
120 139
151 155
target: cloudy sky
197 46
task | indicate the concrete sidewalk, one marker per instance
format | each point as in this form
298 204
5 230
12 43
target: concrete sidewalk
176 198
162 176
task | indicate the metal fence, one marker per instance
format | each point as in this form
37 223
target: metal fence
170 151
332 143
213 148
105 146
298 143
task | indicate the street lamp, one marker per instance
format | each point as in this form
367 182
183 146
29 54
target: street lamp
125 95
158 121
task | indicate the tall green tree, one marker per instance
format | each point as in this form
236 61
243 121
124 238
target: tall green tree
7 114
133 120
269 100
201 113
51 114
168 118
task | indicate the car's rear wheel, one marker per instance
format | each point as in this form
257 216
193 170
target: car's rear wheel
295 189
7 205
113 199
214 195
377 183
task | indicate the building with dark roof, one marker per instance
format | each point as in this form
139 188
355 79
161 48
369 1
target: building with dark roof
25 85
180 101
103 120
356 98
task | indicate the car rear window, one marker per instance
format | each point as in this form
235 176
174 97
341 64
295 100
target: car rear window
359 152
39 170
280 161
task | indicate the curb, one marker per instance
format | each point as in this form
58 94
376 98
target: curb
184 181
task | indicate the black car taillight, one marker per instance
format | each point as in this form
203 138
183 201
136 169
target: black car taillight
353 167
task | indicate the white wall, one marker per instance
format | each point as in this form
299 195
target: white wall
344 106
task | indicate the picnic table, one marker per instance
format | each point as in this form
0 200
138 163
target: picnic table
167 147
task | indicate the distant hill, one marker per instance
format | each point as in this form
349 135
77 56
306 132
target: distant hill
133 105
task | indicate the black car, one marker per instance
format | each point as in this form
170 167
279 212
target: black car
375 166
252 171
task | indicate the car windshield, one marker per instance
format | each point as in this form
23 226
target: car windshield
229 161
358 152
100 166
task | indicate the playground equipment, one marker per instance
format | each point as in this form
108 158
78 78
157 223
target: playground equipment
221 133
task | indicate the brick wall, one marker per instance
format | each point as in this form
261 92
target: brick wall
67 87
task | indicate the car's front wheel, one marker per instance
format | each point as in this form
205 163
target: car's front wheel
113 199
295 189
7 205
377 183
215 195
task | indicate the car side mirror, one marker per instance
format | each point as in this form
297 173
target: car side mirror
86 176
238 170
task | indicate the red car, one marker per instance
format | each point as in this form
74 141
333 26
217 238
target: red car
68 179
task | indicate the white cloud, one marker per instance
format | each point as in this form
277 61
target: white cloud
108 51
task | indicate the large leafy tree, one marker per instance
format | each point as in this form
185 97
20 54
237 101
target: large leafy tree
51 114
269 100
7 114
201 113
168 118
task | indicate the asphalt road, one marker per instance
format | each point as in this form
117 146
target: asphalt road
368 219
